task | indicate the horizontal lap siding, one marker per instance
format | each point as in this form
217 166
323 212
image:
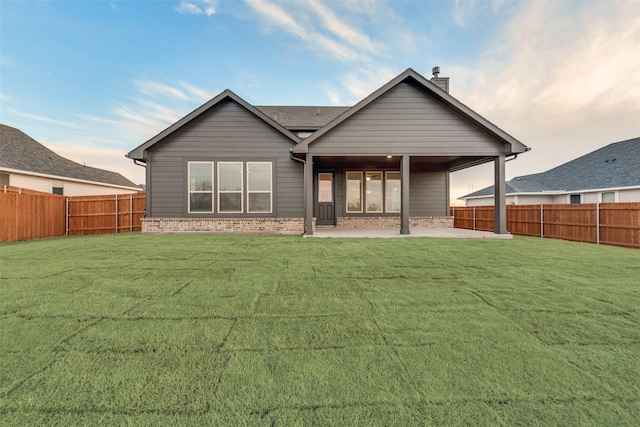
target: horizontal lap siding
428 194
226 133
406 120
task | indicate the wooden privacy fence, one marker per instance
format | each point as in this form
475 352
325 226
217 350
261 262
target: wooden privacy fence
27 214
104 214
615 224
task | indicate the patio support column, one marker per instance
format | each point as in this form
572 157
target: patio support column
404 204
308 195
500 207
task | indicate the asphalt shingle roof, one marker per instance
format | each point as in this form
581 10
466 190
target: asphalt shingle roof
613 166
292 117
20 151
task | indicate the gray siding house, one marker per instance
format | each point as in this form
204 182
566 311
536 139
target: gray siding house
385 162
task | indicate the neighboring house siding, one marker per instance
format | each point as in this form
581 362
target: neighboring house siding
226 133
405 120
629 195
71 188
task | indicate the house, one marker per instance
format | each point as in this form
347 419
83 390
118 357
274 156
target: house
26 163
610 174
230 166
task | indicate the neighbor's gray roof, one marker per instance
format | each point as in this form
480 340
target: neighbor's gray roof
299 118
20 151
615 166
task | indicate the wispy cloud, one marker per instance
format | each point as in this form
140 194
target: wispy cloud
200 7
114 6
46 119
341 42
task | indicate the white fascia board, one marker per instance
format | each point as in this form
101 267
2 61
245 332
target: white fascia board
66 178
555 192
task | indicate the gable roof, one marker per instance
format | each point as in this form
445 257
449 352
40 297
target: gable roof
409 75
616 165
302 117
139 153
20 152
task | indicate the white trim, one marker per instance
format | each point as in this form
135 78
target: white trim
346 189
189 192
270 192
231 192
66 178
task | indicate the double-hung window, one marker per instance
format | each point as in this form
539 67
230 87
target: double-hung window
374 192
230 185
200 187
259 187
393 192
354 192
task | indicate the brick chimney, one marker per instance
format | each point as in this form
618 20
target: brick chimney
441 82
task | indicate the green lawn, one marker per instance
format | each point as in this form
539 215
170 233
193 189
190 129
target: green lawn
271 330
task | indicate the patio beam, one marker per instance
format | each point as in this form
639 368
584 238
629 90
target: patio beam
500 207
404 204
308 196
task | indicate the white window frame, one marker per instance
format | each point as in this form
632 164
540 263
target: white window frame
386 178
270 191
234 191
615 196
382 184
189 192
346 180
574 194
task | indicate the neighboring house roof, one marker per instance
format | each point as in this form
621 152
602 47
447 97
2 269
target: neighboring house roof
409 75
302 117
20 152
615 166
139 153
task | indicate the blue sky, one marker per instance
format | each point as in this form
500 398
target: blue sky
92 80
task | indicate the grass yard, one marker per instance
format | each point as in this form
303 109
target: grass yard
271 330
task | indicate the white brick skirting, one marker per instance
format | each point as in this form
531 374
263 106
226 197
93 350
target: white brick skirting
368 222
223 225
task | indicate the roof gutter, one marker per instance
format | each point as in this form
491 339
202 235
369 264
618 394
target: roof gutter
135 162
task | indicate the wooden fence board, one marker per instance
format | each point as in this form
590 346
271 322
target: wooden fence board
615 224
28 214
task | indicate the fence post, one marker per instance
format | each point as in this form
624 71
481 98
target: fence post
130 212
597 223
66 218
116 214
474 217
542 221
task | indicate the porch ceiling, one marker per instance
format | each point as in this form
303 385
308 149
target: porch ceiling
452 163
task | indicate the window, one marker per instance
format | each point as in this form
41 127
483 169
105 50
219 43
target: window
230 187
393 192
200 186
57 187
574 199
325 187
609 197
4 179
374 191
259 187
354 192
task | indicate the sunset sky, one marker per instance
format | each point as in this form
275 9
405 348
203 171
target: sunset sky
92 80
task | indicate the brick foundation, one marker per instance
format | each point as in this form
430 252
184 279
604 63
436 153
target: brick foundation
365 222
223 225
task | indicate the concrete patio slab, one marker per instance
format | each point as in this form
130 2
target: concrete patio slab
447 233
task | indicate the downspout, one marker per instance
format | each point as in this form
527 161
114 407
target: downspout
135 162
304 180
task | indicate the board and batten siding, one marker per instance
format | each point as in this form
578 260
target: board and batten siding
406 121
225 133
